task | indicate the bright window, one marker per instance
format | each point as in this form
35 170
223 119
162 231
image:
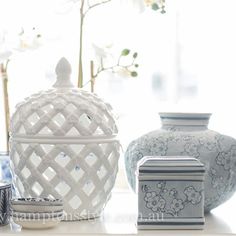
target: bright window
186 58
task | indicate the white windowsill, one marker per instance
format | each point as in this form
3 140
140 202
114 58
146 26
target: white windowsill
119 218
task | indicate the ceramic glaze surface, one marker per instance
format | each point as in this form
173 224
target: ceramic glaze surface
64 146
187 134
170 193
5 196
38 201
38 205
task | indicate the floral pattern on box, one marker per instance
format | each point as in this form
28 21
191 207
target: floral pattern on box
168 200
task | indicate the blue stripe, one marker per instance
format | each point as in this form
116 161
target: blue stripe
192 180
170 223
185 118
171 171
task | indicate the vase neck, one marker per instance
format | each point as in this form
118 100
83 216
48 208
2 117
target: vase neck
185 121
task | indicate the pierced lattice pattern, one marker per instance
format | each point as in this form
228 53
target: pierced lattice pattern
71 113
83 179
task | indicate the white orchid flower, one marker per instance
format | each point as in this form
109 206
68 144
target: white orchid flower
122 72
28 40
102 51
11 43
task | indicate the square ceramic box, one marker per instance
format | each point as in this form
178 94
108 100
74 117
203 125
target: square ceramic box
170 193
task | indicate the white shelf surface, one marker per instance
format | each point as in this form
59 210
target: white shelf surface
119 218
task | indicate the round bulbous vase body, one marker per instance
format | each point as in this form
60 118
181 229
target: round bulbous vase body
187 134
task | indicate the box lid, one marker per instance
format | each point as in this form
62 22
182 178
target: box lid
170 165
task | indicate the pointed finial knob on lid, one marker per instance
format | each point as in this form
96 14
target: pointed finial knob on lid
63 71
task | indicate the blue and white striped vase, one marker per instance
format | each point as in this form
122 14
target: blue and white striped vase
187 134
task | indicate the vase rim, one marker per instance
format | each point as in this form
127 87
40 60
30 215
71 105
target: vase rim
4 184
185 115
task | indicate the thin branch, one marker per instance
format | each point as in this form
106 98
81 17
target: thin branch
98 72
95 5
85 84
118 65
103 69
7 62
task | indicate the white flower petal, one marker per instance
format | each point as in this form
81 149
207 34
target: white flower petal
99 51
122 72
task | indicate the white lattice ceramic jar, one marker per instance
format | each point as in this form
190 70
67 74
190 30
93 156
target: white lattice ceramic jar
63 145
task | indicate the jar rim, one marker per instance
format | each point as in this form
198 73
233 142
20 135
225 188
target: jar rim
4 184
185 115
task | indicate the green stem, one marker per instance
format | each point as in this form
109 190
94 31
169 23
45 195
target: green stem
83 13
92 80
80 79
3 70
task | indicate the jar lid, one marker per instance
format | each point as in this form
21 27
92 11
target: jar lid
184 119
170 165
185 115
63 112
